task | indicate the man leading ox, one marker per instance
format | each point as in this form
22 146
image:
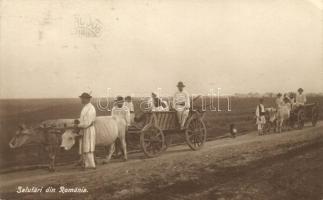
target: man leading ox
87 131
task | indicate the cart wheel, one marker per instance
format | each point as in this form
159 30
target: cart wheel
152 141
292 121
315 116
300 119
195 133
267 128
168 142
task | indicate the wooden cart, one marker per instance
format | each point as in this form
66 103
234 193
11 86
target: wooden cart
157 125
302 114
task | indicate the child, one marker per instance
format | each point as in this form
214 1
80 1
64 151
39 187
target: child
233 130
260 114
128 104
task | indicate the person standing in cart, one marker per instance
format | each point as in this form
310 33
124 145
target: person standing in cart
260 115
300 98
181 103
128 104
87 131
279 101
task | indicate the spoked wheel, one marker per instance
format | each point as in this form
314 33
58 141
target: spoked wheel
195 133
315 116
267 128
152 141
292 121
168 141
300 119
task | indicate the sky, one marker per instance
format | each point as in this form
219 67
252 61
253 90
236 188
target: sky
61 48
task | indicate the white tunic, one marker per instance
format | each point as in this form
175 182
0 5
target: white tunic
131 108
87 118
181 101
300 99
158 108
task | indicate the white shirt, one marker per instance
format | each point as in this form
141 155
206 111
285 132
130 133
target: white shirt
300 99
129 105
181 100
279 102
87 116
158 108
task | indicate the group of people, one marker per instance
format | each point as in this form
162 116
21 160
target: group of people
123 108
288 101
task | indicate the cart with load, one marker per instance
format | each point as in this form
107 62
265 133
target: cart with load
304 113
157 125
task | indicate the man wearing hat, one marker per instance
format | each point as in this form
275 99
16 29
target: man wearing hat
279 101
121 111
260 116
300 97
87 131
181 103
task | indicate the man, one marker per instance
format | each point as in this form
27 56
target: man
260 114
87 131
181 103
121 111
129 104
300 98
279 101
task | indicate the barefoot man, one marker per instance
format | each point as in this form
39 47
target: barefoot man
181 103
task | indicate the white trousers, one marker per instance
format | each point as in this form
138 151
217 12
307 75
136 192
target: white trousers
88 159
182 115
260 122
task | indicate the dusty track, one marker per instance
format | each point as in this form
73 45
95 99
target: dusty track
275 166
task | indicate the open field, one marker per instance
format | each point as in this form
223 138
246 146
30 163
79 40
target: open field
275 166
33 111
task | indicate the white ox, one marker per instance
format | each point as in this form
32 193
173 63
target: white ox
283 114
107 130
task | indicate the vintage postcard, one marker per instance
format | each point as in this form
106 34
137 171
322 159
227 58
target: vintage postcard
161 99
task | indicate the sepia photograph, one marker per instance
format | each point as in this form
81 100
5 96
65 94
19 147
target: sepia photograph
161 99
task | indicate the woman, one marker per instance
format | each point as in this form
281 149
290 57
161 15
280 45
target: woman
157 104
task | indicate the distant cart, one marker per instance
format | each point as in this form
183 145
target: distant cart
305 113
157 125
298 117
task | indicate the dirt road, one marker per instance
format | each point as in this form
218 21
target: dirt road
276 166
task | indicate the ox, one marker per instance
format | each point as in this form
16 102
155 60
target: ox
271 119
48 138
283 115
107 130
